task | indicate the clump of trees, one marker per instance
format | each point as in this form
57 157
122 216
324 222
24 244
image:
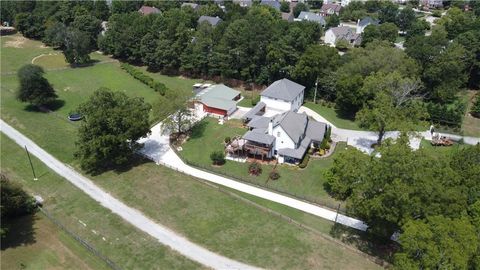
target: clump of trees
113 123
34 88
432 201
14 202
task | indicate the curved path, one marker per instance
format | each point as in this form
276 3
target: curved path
131 215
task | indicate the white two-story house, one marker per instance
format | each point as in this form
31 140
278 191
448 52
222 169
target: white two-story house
283 95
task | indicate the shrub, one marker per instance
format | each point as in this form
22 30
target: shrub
218 157
342 45
274 175
304 162
227 140
475 110
137 74
329 134
255 168
437 13
255 100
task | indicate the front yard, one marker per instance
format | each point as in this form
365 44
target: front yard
208 136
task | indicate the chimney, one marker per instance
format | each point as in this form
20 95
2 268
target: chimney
270 127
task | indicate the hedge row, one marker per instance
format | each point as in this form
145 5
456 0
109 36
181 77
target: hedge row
447 114
137 74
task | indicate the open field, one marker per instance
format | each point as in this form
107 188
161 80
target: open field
225 224
304 183
202 213
35 242
114 238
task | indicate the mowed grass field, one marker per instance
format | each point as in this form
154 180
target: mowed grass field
116 239
200 212
35 242
303 183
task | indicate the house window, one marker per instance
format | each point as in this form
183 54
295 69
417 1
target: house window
278 134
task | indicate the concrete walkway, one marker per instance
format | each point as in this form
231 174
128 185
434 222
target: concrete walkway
131 215
157 148
362 140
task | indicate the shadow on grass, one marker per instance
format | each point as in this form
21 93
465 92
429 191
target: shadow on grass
198 130
50 107
375 246
89 64
134 161
20 231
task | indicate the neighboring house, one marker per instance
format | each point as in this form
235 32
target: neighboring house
243 3
211 20
431 4
312 17
286 136
104 25
334 34
146 10
283 95
287 16
330 9
218 100
363 23
194 6
345 3
271 3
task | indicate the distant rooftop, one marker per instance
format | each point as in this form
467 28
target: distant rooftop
146 10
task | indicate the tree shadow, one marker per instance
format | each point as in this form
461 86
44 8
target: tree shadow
89 64
347 115
198 130
20 231
134 161
49 107
380 248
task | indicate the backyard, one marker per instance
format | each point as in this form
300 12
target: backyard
303 183
206 216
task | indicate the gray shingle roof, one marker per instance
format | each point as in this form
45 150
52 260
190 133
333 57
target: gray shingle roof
346 33
211 20
258 136
271 3
283 89
312 17
335 7
316 130
254 111
298 152
293 124
368 20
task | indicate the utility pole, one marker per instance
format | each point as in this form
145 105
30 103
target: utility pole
338 208
315 95
31 164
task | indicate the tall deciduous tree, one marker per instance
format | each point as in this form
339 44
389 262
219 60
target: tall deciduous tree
394 106
405 18
113 124
362 62
437 243
316 65
400 185
384 31
34 88
77 47
299 8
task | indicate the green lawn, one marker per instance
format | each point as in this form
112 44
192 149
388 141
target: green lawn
304 183
471 125
35 242
125 245
332 116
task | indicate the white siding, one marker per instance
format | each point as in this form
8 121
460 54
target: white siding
284 141
277 104
330 38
